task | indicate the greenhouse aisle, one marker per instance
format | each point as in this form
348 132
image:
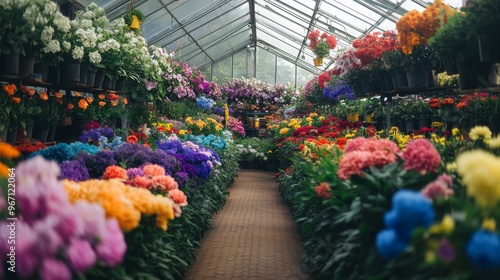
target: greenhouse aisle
253 237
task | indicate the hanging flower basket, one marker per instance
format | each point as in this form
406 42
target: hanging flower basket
318 61
136 23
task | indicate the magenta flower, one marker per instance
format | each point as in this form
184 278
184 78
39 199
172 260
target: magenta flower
441 187
53 269
112 248
80 255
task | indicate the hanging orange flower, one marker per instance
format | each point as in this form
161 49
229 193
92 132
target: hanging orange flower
113 96
82 104
70 106
101 96
114 103
58 94
10 89
16 100
89 99
125 101
44 96
102 103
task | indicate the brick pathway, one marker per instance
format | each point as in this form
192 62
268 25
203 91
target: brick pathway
253 237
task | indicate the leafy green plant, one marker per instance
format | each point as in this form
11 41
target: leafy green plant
135 12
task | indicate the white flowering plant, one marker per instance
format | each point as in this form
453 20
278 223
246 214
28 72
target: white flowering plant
22 24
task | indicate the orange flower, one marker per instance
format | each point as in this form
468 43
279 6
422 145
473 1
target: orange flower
58 94
82 104
16 100
115 172
114 103
10 89
44 96
102 103
60 101
70 106
178 197
461 104
125 101
448 101
113 96
8 151
101 96
154 170
132 139
77 94
89 99
29 91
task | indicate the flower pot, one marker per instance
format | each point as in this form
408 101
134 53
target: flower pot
91 73
424 122
368 118
358 88
418 77
489 43
386 76
12 134
401 125
43 70
69 71
84 68
5 130
242 164
401 77
477 74
372 86
394 78
410 125
52 133
99 78
26 65
10 64
53 75
120 83
318 61
271 165
353 117
28 130
42 133
136 23
108 82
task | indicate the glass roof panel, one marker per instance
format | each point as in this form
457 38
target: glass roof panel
277 40
156 22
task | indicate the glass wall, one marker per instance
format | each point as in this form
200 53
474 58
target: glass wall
270 68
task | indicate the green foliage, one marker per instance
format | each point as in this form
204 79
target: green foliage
178 110
322 49
135 12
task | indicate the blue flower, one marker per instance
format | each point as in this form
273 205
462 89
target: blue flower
74 170
204 103
483 250
389 245
410 209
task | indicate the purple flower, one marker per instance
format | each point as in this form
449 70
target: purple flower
112 248
80 255
74 170
53 269
92 216
134 172
69 224
48 240
181 178
446 251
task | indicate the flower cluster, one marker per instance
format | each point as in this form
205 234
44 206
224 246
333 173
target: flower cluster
336 90
244 91
63 151
373 45
206 127
58 238
236 126
204 103
210 141
94 135
321 45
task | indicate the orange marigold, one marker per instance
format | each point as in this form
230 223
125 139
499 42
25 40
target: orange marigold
102 103
89 99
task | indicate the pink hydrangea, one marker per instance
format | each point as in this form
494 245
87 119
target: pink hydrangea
143 182
165 182
421 156
53 269
353 163
441 187
354 144
153 170
80 255
112 248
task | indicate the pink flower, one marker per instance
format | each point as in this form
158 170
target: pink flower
441 187
112 248
80 255
143 182
69 224
323 190
48 240
353 163
421 156
93 219
178 197
53 269
165 182
153 170
355 144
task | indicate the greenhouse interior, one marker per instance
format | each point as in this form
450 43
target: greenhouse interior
259 139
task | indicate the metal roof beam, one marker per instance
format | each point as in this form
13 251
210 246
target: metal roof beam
251 6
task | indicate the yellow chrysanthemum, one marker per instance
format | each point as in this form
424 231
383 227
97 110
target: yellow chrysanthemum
494 142
394 129
480 132
479 171
182 132
309 119
455 132
297 126
284 130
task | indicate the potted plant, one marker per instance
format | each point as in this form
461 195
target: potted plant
134 19
321 45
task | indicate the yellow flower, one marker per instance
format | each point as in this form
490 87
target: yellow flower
480 132
447 224
430 256
284 130
479 171
394 129
489 224
437 124
321 118
455 132
309 119
189 120
451 166
495 142
312 115
182 132
297 126
349 136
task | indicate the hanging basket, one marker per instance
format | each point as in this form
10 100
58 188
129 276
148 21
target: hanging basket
318 61
136 23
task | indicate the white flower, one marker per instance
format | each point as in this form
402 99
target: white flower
95 57
31 13
47 34
62 23
78 53
66 46
50 8
52 47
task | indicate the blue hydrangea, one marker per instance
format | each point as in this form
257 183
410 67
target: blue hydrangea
63 151
483 250
389 245
410 209
204 103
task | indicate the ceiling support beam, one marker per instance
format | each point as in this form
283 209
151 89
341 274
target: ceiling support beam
251 5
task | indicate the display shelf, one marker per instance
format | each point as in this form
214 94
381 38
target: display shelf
489 89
